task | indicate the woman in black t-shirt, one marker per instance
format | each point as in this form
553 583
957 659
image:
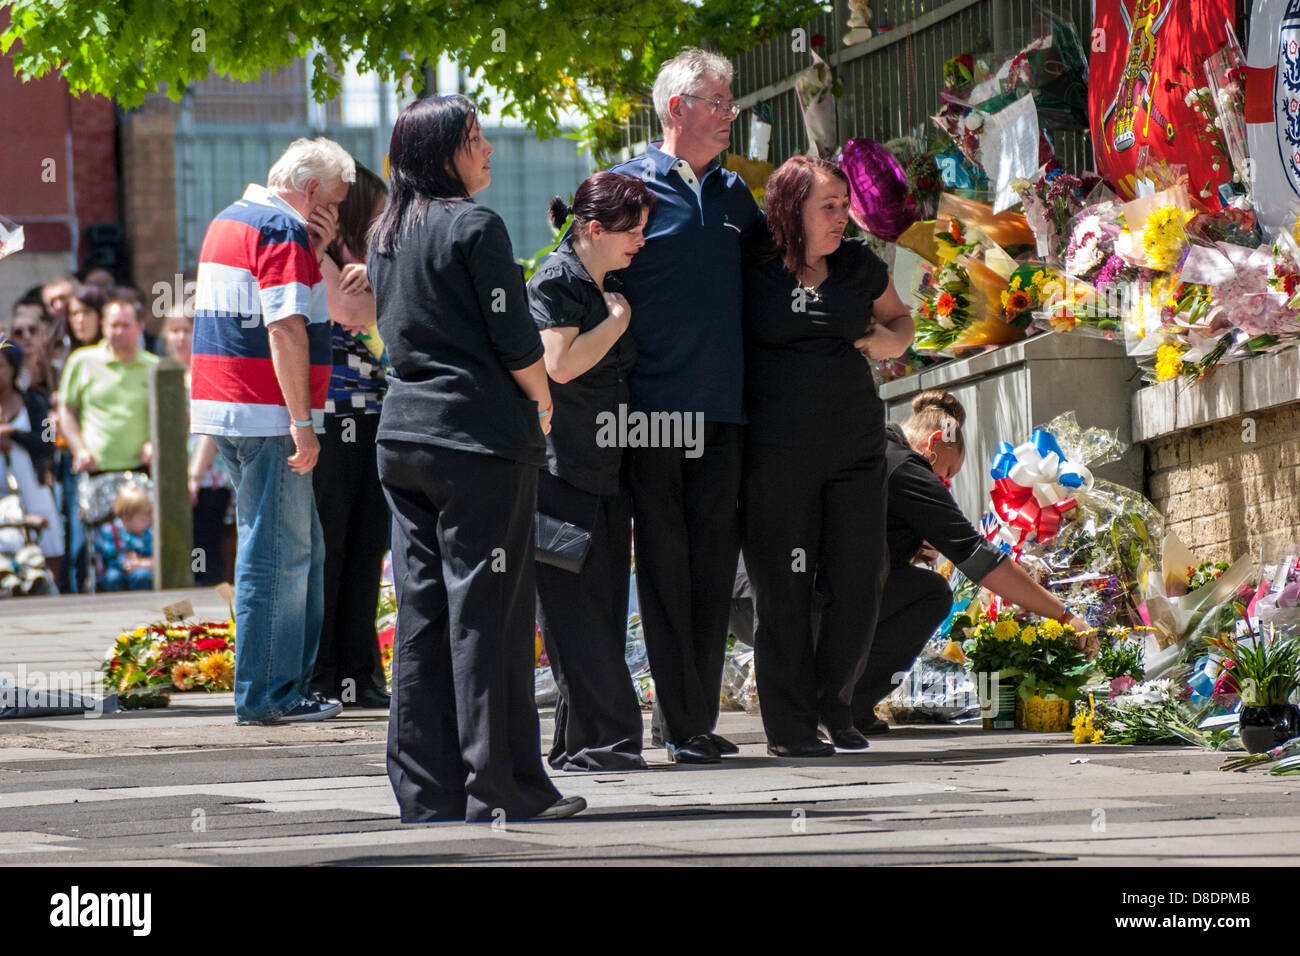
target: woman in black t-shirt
813 493
589 353
460 441
921 455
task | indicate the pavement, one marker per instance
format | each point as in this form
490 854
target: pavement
185 786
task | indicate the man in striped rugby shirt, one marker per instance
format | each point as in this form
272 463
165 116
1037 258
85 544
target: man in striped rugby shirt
259 380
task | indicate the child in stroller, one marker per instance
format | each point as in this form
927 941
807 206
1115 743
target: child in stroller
124 546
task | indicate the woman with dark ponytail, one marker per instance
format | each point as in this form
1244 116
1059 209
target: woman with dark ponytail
582 594
921 456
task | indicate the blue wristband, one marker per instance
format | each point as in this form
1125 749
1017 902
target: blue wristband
306 424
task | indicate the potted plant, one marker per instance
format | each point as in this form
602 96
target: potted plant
1054 671
1264 671
991 651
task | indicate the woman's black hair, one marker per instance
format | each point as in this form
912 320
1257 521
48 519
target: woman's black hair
613 200
421 162
355 214
13 354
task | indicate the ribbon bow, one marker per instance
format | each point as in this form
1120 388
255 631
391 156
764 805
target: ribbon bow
1033 488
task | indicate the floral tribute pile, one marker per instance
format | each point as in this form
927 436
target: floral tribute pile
1186 275
146 664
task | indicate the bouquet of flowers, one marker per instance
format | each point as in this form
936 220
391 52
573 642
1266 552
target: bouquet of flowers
1051 199
1032 288
1151 713
1225 76
1203 102
146 663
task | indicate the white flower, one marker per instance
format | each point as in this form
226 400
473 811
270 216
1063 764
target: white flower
1218 123
974 120
1187 100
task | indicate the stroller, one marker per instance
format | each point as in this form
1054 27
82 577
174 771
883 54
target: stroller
95 497
22 563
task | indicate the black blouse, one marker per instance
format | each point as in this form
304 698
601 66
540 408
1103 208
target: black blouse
922 509
453 313
805 383
562 294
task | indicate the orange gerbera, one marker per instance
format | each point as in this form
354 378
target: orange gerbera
946 304
1018 302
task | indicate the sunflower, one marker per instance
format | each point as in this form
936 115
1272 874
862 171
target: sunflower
183 675
217 669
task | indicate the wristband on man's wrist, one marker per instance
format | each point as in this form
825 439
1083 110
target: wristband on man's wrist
549 408
303 424
1065 617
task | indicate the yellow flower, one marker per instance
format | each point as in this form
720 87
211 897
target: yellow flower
1051 630
1015 283
1169 362
138 632
1085 725
1164 238
1005 630
1029 635
217 669
1038 277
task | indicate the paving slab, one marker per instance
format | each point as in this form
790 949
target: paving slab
184 785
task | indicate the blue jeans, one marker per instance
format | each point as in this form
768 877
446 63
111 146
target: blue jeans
279 577
115 579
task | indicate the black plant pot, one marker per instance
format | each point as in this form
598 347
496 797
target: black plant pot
1265 727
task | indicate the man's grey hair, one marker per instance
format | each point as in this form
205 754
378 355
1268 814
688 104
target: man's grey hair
683 73
308 159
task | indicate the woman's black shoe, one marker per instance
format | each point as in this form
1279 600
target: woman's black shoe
699 749
850 738
725 746
818 748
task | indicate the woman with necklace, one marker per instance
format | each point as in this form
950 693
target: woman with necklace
817 306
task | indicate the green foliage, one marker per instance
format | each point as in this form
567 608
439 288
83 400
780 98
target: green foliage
1265 670
541 56
1119 657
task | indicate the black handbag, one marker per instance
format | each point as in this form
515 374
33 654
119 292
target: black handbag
565 517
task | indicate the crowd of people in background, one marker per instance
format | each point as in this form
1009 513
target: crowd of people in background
74 407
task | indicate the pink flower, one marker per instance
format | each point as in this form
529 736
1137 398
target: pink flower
1121 684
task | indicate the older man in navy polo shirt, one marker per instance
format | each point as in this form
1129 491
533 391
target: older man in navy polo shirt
684 289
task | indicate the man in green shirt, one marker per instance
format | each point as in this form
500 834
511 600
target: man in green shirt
104 396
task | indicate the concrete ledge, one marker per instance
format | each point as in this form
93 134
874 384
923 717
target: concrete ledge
1048 345
1233 390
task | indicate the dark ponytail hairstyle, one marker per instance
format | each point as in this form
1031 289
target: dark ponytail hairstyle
613 200
421 153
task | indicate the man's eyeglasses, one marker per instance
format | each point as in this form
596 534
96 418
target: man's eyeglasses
21 332
719 107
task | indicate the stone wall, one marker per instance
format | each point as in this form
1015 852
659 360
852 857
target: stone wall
1230 485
